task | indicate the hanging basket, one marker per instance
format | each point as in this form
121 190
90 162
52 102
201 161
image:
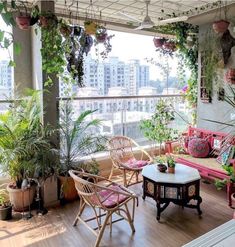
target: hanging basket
220 26
101 35
23 22
90 27
158 42
170 46
230 76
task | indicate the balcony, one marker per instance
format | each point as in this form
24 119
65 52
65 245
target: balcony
32 147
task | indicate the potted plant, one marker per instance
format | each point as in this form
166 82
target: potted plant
90 27
22 140
230 76
221 183
102 38
220 26
101 34
5 205
47 20
158 42
157 127
79 138
170 163
23 19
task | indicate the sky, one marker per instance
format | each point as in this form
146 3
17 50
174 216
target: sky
128 46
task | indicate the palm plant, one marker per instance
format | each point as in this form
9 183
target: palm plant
78 138
23 139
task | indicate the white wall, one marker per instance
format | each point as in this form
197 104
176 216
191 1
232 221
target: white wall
217 110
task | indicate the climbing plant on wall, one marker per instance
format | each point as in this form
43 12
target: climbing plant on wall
186 37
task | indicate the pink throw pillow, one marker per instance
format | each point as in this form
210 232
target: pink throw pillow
198 148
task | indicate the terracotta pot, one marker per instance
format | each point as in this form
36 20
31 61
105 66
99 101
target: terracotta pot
21 199
6 213
171 169
230 76
158 42
220 26
68 188
23 22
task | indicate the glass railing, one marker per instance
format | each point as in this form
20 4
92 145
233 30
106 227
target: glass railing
121 115
4 105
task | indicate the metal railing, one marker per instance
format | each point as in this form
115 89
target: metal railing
121 115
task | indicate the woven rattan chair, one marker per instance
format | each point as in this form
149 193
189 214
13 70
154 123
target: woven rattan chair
105 199
123 158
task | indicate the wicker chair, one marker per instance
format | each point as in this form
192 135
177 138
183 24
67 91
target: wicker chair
108 197
123 158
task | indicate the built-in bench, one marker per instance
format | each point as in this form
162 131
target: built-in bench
208 167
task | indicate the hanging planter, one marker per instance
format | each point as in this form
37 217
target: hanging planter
230 76
90 27
158 42
23 19
47 20
23 22
169 45
189 42
101 34
220 26
65 29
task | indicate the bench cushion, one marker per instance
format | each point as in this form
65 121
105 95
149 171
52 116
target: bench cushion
209 163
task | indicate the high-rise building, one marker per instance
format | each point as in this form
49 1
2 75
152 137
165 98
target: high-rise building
138 76
94 75
113 74
6 79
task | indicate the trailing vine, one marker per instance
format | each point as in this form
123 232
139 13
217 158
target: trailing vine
187 55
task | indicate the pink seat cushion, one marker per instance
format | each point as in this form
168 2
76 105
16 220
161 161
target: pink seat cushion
133 163
198 148
109 198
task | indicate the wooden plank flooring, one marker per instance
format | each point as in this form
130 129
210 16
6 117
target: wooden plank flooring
176 228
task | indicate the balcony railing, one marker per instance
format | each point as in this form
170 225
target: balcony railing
121 115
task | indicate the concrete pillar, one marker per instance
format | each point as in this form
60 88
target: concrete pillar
51 93
23 69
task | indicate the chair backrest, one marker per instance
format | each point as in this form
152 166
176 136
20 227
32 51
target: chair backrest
120 148
87 190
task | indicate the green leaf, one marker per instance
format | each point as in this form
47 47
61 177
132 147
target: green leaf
6 42
17 48
1 7
11 63
8 18
1 35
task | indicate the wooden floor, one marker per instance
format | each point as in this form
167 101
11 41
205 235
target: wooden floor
177 226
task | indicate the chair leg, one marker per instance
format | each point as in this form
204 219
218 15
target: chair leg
81 209
129 219
102 229
124 178
137 176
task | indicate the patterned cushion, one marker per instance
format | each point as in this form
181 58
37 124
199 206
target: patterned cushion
198 148
133 163
108 198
